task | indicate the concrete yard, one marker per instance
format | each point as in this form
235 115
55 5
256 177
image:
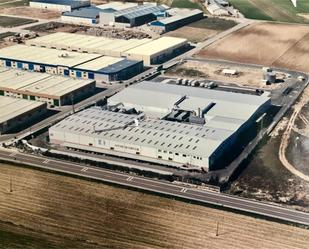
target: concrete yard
270 44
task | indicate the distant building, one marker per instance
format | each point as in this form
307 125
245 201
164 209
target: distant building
180 126
133 16
177 21
17 113
59 5
148 50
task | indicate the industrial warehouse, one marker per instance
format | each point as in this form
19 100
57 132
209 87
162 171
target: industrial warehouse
189 128
147 50
59 5
16 113
73 64
133 16
54 90
89 15
178 20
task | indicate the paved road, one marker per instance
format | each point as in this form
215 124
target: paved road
170 189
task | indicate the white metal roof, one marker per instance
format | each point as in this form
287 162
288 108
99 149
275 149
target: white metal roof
157 46
45 55
13 107
158 99
39 83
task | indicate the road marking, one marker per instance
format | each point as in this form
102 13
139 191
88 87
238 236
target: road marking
46 161
84 169
183 190
130 178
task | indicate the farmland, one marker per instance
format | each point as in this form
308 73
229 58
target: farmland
73 209
276 10
7 21
186 4
280 45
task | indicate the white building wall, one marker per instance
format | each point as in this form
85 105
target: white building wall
56 7
76 20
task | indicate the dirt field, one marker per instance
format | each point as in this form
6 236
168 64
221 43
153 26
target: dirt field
8 21
270 44
30 12
248 76
116 218
192 34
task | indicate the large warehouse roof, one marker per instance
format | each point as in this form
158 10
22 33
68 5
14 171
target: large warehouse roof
86 42
139 10
13 107
117 5
165 135
156 46
102 62
45 55
229 109
39 83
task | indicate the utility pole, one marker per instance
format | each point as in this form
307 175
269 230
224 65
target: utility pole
217 229
72 102
11 185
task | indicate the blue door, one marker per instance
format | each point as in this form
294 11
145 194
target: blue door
19 65
31 66
8 63
91 76
78 74
42 69
66 72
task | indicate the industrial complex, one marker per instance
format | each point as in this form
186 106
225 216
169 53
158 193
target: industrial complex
16 113
188 128
150 51
73 64
54 90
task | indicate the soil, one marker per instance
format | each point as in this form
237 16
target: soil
96 214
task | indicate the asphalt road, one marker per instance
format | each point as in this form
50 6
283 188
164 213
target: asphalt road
166 188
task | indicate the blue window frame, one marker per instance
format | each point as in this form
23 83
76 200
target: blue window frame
91 76
8 63
66 72
78 74
31 66
19 65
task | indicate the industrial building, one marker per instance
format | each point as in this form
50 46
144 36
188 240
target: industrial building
158 51
133 16
73 64
89 16
186 127
54 90
148 50
16 113
59 5
178 20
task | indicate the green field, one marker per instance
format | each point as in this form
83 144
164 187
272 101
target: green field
276 10
213 23
7 21
186 4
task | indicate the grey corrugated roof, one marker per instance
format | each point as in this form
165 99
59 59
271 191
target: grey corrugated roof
139 10
160 134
